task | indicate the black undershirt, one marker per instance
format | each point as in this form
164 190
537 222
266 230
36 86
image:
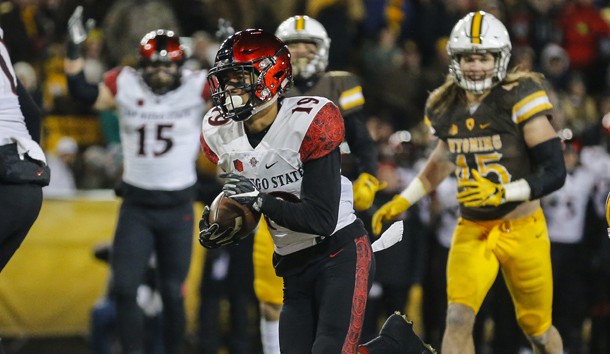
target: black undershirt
255 138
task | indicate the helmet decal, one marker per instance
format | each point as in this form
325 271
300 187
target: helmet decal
475 28
299 23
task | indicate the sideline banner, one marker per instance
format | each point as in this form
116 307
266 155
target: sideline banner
52 282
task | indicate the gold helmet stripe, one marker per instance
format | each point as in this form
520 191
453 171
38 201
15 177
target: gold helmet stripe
475 28
299 23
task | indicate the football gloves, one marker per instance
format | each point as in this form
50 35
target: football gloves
390 237
365 188
210 235
242 190
389 212
77 33
480 192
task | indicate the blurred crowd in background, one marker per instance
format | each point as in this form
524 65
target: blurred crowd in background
397 48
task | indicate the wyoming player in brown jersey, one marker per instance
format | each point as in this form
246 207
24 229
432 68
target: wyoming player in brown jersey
495 135
309 45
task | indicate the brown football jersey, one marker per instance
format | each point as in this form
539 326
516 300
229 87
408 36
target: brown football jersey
341 87
344 90
490 138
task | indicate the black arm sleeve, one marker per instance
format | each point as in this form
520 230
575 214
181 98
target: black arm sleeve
551 171
80 89
31 112
360 142
318 211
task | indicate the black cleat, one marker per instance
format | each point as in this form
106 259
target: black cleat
396 337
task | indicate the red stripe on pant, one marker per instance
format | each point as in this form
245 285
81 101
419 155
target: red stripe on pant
361 289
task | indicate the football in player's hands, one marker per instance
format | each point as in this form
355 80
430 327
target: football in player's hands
231 215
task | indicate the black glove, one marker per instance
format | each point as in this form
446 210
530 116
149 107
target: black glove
242 190
77 33
209 235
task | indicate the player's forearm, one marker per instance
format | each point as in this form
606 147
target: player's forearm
360 142
551 172
437 168
414 191
367 158
80 89
73 66
318 210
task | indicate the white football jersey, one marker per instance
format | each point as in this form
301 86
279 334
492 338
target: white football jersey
159 133
565 208
275 165
449 209
12 122
11 118
597 159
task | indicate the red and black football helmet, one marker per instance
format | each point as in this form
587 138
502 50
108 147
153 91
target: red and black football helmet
161 48
254 54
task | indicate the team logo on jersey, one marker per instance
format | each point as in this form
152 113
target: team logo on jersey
470 123
253 162
239 166
486 143
453 130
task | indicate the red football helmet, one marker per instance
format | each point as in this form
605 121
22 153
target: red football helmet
251 61
161 48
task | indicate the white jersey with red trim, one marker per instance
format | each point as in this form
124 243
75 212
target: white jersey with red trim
597 160
11 119
448 207
12 123
275 165
565 209
159 133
